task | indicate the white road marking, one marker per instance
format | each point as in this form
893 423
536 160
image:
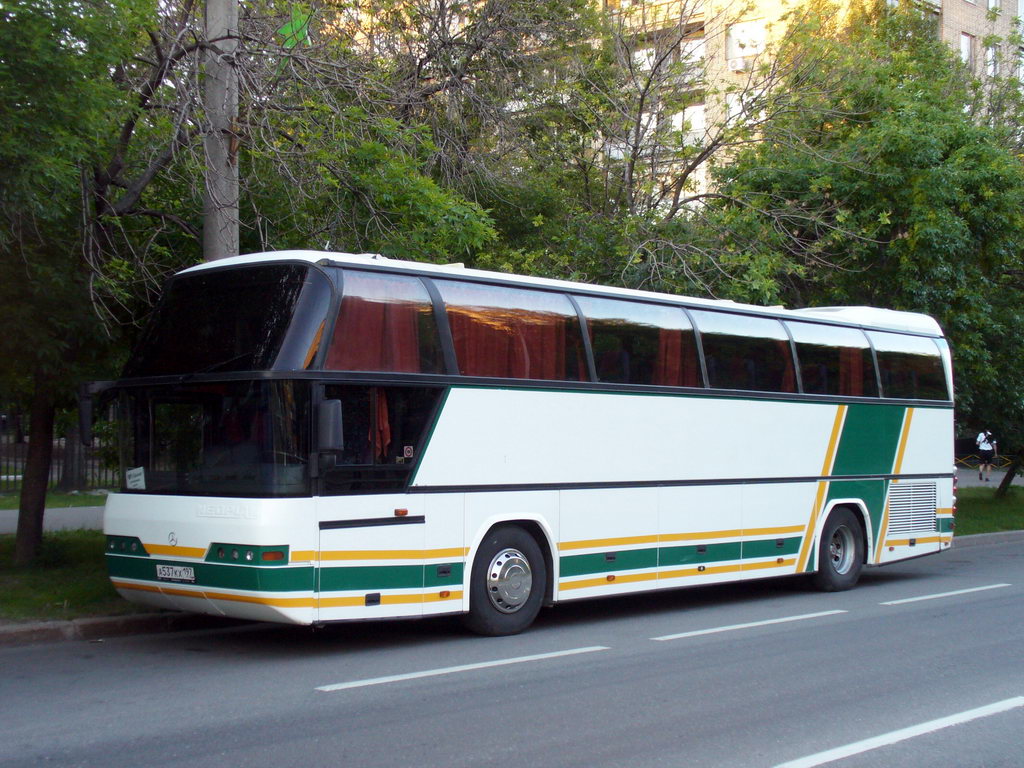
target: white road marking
903 734
748 625
943 594
460 668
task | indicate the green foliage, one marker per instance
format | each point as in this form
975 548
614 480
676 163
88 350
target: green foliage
881 189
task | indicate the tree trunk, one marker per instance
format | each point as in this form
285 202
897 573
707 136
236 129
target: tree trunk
1011 472
72 476
36 476
220 98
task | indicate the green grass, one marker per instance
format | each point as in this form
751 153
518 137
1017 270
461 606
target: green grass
68 582
10 500
979 511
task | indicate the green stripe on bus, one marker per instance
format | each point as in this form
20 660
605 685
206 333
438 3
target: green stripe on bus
252 578
710 553
771 547
579 565
870 439
945 524
374 577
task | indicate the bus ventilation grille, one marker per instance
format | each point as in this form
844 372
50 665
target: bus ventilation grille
912 507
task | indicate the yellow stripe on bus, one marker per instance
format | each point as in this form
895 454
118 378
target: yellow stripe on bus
593 543
919 540
819 498
390 554
358 601
277 602
166 549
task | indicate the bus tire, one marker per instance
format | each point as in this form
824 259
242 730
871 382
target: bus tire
507 582
840 552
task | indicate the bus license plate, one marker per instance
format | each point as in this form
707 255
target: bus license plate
176 573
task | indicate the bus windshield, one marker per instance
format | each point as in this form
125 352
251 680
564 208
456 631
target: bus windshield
255 319
239 438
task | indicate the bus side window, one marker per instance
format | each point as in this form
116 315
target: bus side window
384 428
639 343
909 366
513 333
385 323
834 360
748 353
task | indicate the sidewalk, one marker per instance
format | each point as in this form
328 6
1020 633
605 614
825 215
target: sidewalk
967 477
57 519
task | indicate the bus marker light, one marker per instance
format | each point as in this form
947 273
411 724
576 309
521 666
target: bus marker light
700 568
445 594
892 549
610 577
401 512
778 560
273 555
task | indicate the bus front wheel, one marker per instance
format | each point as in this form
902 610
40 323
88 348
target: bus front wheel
840 552
507 583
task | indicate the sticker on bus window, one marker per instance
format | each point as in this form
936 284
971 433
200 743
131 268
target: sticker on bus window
135 479
407 451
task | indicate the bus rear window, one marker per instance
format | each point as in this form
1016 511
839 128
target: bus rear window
910 367
750 353
637 343
834 360
513 333
385 323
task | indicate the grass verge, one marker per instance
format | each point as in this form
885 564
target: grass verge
68 582
53 500
979 511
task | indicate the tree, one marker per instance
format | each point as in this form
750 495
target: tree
56 101
881 188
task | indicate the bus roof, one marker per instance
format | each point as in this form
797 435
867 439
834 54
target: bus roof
867 317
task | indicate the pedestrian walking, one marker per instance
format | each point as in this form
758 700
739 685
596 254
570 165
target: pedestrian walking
987 450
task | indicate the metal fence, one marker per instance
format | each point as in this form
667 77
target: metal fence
94 472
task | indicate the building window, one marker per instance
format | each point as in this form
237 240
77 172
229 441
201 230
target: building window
691 123
967 50
991 68
744 41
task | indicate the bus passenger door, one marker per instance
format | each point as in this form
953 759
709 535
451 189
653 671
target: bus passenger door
370 560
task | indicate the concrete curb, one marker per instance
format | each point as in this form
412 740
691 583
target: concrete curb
984 539
95 629
98 628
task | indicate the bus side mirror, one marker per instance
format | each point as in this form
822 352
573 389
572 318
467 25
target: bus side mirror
330 427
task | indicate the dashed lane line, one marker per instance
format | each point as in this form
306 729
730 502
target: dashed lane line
944 594
748 625
893 737
460 668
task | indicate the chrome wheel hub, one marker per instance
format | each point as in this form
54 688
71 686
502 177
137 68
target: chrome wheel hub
509 580
841 549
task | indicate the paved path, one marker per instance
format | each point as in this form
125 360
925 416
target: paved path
968 478
57 519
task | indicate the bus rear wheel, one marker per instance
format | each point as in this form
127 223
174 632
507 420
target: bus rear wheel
840 552
507 583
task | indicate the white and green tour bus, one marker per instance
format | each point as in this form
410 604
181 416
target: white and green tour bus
312 437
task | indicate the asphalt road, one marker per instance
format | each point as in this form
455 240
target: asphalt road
747 675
